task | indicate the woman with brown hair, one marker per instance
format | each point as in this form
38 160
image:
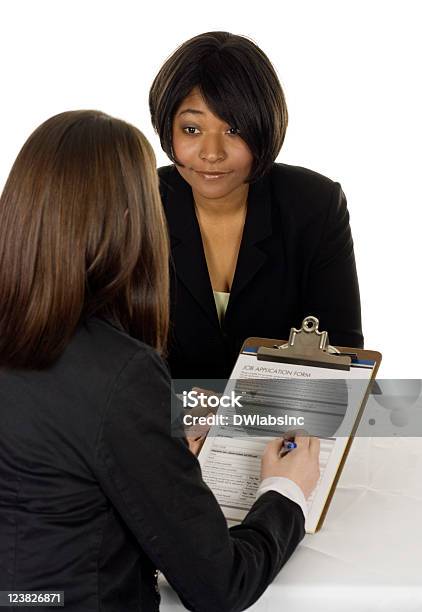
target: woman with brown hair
95 494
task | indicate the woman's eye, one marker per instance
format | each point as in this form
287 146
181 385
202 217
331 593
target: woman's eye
191 130
233 131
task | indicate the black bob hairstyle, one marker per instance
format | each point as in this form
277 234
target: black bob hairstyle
239 85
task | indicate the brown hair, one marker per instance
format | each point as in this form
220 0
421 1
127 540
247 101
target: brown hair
82 233
239 85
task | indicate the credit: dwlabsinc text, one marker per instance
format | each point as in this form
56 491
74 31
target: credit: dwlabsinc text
246 420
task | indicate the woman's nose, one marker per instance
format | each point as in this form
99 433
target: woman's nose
212 148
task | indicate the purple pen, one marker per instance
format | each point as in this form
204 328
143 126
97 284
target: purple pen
288 446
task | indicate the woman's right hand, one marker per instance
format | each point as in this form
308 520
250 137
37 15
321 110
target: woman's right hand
300 464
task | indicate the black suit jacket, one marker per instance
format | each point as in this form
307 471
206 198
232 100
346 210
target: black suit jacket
95 494
296 259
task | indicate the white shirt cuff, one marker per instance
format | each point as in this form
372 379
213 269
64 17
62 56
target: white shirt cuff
286 487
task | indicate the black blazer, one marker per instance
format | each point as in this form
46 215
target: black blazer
95 494
296 259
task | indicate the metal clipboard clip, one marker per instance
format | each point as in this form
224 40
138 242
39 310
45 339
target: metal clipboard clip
307 346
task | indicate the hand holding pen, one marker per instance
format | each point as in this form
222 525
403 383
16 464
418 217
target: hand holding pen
296 459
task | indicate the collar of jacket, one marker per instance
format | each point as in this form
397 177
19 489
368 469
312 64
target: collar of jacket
186 242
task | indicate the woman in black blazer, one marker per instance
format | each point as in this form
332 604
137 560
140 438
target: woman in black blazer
256 246
95 494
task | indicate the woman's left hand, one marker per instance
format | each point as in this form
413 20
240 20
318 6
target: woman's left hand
196 434
195 443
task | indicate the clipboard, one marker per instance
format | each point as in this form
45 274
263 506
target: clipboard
309 346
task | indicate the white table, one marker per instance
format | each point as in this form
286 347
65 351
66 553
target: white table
368 555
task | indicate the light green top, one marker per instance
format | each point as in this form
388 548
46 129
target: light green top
221 300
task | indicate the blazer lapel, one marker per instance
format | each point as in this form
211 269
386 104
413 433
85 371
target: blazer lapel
258 226
187 249
186 242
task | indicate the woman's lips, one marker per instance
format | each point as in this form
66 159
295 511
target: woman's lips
211 176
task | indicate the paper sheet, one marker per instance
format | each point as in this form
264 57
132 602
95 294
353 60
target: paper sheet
230 458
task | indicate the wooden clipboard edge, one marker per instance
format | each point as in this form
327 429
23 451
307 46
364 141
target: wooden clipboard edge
362 354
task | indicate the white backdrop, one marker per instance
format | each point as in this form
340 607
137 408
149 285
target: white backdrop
351 73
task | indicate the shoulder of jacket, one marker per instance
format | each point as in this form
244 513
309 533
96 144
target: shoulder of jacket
166 171
169 181
167 174
299 177
107 346
303 196
169 169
